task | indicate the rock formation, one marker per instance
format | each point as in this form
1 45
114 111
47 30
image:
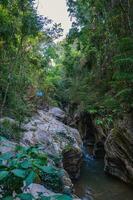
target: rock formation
55 138
119 150
115 142
72 159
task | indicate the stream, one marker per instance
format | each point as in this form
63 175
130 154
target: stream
100 186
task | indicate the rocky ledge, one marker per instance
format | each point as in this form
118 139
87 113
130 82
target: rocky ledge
47 130
119 150
56 138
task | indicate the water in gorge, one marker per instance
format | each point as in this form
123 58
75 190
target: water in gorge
100 185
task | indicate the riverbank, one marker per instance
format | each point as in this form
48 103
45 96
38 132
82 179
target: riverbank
101 186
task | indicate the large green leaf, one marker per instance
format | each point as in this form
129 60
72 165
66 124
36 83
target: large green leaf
33 152
23 149
38 163
8 198
49 169
62 197
26 164
25 196
3 174
43 157
30 178
13 162
57 197
6 156
19 173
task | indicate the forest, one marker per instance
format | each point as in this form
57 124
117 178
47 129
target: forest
87 76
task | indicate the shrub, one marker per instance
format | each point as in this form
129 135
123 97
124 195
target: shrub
25 166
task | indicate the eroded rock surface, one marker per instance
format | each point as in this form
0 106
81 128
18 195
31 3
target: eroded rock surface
57 113
37 189
72 159
119 150
55 137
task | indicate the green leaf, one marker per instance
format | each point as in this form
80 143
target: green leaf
49 169
43 158
6 156
99 122
22 149
3 174
38 163
25 196
123 61
62 197
19 173
45 198
57 197
21 155
13 162
33 152
8 198
30 178
26 164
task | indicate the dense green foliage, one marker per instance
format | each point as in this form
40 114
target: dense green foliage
90 71
23 36
97 59
10 130
27 165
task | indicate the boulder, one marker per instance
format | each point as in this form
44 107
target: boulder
37 189
57 113
119 150
72 159
55 137
67 183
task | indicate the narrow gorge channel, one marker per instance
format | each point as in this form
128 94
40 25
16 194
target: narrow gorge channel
94 183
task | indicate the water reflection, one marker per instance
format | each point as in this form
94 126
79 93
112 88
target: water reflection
95 183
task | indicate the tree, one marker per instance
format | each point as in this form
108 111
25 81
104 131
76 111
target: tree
23 36
97 63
